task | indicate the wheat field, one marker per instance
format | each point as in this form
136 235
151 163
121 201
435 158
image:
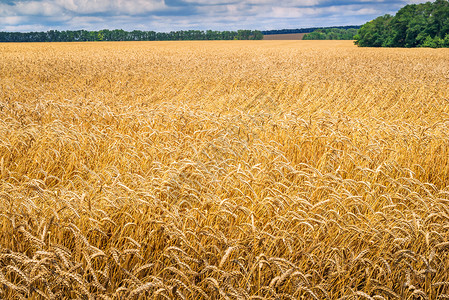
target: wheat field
223 170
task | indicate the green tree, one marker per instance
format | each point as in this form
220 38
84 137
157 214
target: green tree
414 25
121 35
331 34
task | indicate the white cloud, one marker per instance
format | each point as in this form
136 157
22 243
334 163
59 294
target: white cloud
366 11
11 20
287 3
415 1
55 7
25 28
44 8
211 2
113 6
291 12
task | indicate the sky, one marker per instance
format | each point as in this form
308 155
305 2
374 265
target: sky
172 15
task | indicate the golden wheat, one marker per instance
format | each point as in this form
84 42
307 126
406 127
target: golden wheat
223 170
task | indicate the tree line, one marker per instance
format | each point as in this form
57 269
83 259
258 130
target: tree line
414 25
122 35
331 34
306 30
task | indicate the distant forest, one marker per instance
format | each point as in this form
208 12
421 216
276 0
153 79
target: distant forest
306 30
331 34
121 35
414 25
314 33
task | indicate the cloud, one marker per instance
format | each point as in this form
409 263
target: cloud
41 8
168 15
210 2
12 20
111 6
